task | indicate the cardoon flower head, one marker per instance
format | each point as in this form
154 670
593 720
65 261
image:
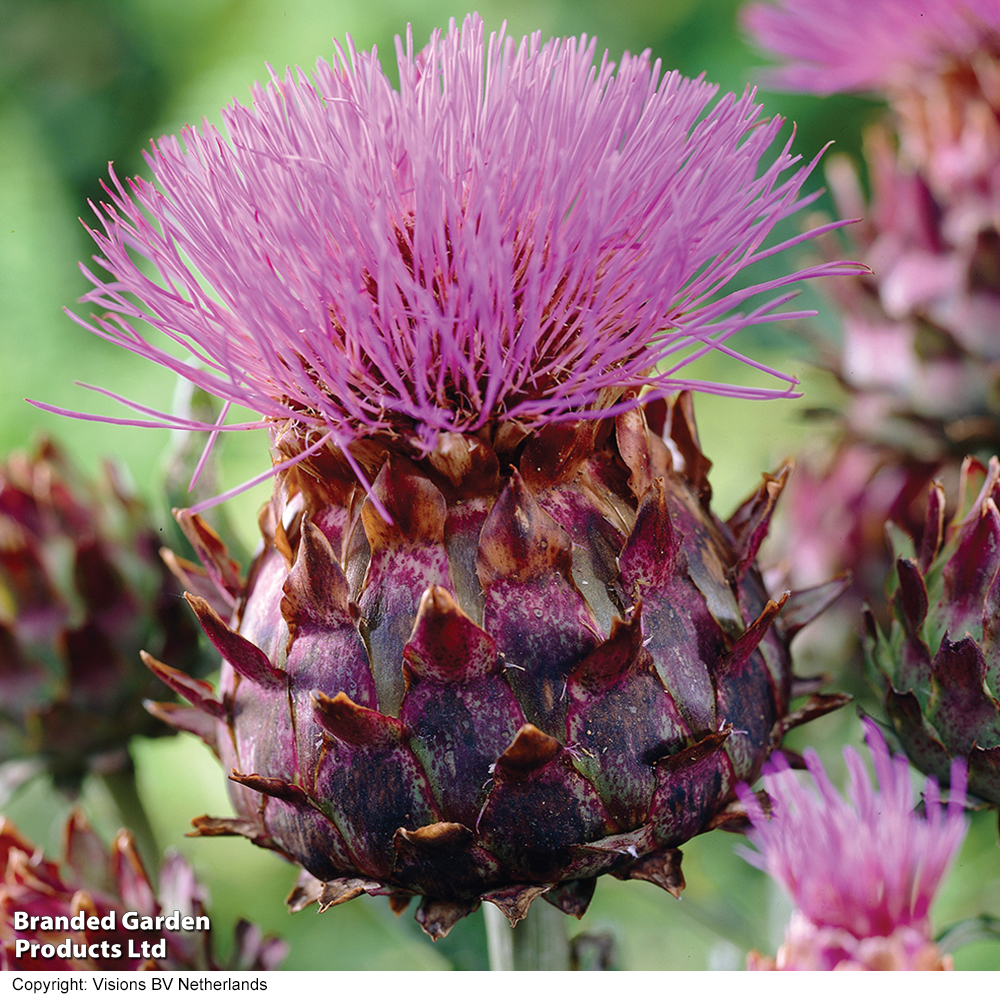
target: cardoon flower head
42 901
937 662
861 868
495 643
515 235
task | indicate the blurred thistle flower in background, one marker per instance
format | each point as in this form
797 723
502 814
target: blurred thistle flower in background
833 46
97 883
82 590
918 354
496 643
862 869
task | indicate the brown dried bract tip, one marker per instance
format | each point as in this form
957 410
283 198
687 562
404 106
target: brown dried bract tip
519 541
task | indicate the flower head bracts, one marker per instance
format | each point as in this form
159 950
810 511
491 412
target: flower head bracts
830 46
515 233
865 863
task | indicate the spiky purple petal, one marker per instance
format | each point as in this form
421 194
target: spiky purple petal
515 233
864 862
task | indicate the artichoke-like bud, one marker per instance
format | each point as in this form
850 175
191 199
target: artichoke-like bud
82 589
98 910
503 685
939 662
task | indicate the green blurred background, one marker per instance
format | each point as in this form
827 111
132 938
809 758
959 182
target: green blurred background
84 82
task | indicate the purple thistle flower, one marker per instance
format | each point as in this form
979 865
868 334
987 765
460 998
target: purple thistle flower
423 280
831 46
862 869
514 234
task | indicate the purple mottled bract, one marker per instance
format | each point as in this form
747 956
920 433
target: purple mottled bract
514 233
862 868
833 46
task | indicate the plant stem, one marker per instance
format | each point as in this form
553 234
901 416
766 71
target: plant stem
124 790
499 939
539 942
